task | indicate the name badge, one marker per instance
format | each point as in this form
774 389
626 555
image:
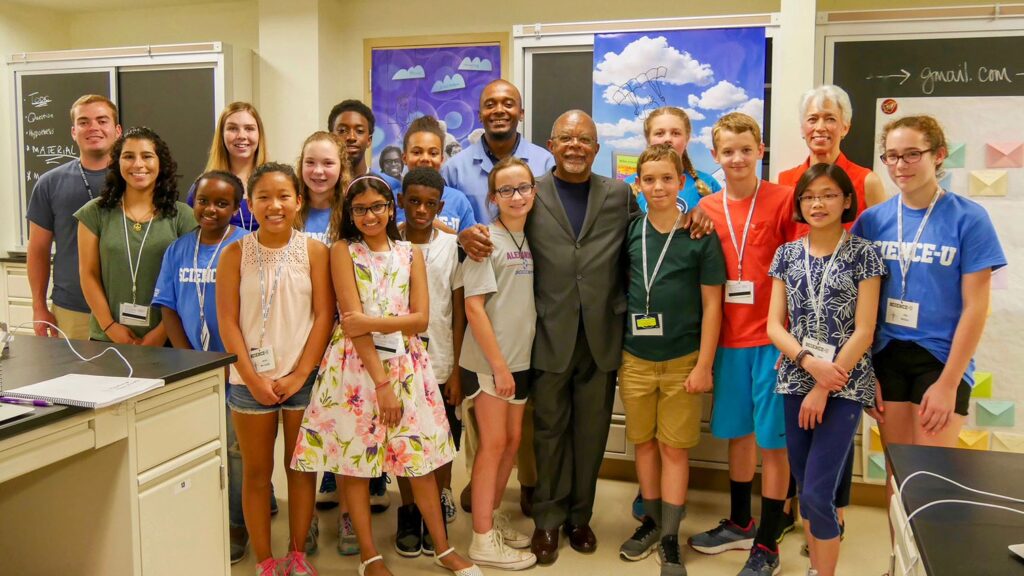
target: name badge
739 292
134 315
819 349
262 359
647 325
388 345
901 313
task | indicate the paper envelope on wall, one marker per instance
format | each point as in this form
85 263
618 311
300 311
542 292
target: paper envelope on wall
982 385
876 466
1008 442
987 183
1004 155
995 412
956 156
876 439
973 439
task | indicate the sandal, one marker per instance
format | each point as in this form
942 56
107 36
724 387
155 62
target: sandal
363 565
471 570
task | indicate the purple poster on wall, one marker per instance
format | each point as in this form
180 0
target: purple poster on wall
441 82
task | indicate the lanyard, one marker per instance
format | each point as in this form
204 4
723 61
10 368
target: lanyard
907 256
241 216
649 282
381 286
742 247
266 300
519 245
817 298
85 181
425 247
201 281
133 267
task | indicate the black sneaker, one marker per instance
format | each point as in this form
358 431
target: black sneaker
379 499
642 542
408 539
239 543
427 547
787 525
327 496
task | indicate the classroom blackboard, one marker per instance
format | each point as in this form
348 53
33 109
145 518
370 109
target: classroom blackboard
179 105
561 81
44 109
872 69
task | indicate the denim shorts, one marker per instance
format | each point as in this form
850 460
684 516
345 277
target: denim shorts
241 400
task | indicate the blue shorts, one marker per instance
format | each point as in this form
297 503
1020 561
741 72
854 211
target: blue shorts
745 398
241 400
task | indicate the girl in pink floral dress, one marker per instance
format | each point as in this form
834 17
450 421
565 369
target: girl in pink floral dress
376 406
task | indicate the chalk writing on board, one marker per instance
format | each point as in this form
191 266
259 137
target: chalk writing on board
57 154
903 74
963 73
38 100
32 117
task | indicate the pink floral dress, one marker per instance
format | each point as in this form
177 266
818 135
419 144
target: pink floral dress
341 430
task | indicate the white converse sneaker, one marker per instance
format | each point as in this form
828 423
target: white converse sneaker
489 550
512 537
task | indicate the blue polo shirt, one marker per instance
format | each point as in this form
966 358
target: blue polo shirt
468 170
457 213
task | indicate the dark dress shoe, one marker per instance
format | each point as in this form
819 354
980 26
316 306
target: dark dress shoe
466 499
581 538
526 500
545 545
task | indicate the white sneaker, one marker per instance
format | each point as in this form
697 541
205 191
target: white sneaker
489 550
509 535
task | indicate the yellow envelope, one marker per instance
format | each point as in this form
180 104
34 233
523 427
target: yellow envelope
987 183
973 439
876 439
1008 442
1004 155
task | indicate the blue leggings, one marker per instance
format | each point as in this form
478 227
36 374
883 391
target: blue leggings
817 458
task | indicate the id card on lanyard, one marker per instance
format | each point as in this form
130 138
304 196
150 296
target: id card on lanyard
389 345
739 291
204 330
262 357
648 324
132 313
903 312
819 348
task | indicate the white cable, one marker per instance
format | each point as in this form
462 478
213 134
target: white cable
906 526
82 358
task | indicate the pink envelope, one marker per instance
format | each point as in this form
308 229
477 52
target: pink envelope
1004 155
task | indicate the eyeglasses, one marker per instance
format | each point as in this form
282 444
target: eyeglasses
525 190
584 140
830 197
908 157
377 209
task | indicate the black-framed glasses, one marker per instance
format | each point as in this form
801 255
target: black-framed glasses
378 209
525 190
908 157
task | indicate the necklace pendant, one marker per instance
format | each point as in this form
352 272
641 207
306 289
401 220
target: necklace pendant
137 227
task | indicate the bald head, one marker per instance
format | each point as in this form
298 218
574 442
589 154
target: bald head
574 145
501 110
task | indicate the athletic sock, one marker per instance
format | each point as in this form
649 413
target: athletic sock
653 508
671 516
739 494
771 519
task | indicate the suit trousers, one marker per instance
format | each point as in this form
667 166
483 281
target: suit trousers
571 414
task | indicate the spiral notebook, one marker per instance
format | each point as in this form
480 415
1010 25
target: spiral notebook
86 391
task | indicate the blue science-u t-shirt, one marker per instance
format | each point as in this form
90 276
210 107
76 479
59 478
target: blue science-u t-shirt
178 280
317 222
689 195
958 239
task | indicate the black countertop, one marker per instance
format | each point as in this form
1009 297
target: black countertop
958 539
21 259
35 359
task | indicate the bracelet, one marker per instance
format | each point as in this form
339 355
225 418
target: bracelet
112 322
800 356
379 386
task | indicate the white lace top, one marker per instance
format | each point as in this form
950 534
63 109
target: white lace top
291 309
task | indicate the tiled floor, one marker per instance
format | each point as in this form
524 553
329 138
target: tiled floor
865 550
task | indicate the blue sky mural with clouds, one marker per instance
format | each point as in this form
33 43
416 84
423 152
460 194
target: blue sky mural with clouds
708 73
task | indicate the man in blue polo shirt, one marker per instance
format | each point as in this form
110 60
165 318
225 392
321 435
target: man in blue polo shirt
501 110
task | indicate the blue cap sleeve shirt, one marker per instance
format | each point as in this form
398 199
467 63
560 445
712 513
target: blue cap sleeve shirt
856 260
959 239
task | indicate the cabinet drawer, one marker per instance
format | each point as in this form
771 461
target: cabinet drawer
20 313
177 427
616 439
617 407
17 283
181 519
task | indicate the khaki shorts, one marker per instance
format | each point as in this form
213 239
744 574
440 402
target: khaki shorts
657 403
74 324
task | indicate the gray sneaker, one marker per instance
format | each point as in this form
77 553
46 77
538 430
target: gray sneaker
762 562
642 542
670 557
348 544
727 536
313 535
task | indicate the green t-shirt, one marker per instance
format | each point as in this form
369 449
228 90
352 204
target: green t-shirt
675 294
108 225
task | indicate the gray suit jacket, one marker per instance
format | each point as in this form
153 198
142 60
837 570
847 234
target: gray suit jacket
580 278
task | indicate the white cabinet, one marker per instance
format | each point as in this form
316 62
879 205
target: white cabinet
16 295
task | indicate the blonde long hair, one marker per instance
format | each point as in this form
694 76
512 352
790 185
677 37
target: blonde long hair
340 186
219 159
702 187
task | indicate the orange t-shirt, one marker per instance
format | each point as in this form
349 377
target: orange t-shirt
746 325
858 174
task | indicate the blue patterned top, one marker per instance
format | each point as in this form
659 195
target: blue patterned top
857 260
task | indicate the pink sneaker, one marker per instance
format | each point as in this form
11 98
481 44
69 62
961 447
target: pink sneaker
296 564
269 567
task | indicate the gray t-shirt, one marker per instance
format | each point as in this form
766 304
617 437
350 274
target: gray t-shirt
56 197
506 277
